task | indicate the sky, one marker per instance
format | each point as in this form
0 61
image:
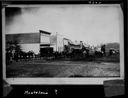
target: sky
92 24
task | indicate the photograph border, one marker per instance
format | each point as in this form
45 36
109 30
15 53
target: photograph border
57 81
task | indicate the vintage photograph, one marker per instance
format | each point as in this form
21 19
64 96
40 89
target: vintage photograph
63 41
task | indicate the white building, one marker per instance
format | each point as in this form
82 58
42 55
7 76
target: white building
57 43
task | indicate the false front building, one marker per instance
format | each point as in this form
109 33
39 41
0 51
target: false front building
38 42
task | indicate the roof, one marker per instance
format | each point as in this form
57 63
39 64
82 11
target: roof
45 32
65 38
74 46
26 38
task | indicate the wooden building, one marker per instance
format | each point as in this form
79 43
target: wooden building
38 42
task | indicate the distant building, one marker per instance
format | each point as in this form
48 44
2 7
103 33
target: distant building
70 46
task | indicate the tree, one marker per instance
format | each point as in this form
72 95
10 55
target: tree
13 49
103 49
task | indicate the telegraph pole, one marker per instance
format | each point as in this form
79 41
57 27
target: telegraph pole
56 41
63 44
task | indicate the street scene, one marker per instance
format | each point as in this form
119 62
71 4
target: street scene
63 41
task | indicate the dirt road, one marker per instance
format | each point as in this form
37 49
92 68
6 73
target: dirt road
41 68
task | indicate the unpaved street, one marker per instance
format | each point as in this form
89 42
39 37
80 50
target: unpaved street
41 68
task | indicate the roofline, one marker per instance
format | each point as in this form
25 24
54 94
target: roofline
23 33
42 31
65 38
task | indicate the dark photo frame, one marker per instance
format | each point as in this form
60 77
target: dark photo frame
59 86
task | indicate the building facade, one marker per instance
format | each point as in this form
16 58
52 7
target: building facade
57 43
37 42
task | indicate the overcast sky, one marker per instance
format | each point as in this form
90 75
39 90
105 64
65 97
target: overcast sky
91 24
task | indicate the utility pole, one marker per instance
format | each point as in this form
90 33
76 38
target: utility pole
56 41
63 44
